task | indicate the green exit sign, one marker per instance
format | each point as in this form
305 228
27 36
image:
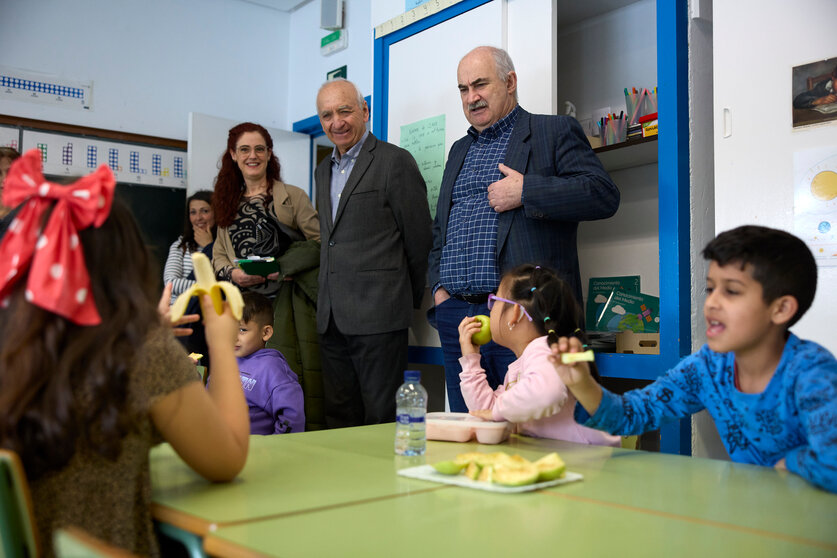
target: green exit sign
337 40
330 38
338 73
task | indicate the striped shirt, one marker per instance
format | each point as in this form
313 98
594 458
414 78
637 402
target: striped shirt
469 256
178 269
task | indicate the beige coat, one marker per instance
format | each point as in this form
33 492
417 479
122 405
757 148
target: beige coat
291 206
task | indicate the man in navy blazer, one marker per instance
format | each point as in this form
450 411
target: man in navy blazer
375 234
513 191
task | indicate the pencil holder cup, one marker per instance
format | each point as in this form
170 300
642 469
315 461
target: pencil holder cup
640 103
649 103
614 131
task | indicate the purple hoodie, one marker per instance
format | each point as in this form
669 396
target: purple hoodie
273 393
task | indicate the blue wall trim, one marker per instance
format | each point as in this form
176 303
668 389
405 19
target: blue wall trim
674 187
425 355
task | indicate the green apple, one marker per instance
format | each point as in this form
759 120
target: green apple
449 467
483 336
520 475
550 467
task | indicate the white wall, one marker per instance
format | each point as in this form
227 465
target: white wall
754 181
152 62
307 68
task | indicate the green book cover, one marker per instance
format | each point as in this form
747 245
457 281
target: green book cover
599 290
623 311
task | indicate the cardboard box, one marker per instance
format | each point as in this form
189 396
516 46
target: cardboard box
638 343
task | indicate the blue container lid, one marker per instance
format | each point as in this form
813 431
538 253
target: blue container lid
412 375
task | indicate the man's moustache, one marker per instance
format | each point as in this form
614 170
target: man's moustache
478 104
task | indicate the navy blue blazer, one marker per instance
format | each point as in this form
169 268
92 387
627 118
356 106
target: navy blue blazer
564 183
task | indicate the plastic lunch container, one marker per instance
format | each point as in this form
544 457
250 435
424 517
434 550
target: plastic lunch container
462 427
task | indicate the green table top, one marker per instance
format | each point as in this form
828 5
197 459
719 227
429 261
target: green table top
297 487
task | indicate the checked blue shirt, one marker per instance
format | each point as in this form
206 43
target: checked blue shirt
469 257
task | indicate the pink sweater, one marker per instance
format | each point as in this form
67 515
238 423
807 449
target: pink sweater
532 396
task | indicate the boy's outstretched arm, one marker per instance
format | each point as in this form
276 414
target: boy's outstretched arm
816 396
576 376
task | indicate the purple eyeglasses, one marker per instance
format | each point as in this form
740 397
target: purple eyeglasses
492 298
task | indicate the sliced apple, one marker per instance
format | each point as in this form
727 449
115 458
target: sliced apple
550 467
449 467
571 358
520 475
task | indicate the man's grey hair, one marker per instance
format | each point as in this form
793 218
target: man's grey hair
360 99
502 61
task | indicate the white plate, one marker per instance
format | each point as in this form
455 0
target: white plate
428 473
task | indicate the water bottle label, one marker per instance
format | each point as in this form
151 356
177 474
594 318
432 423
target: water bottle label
417 419
403 419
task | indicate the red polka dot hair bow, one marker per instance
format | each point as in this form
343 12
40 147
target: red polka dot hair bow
58 277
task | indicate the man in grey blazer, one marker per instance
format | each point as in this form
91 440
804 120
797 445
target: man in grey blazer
375 232
513 191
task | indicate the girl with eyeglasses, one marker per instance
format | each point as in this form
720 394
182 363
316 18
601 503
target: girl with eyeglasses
532 305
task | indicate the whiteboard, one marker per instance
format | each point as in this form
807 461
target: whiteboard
207 140
422 71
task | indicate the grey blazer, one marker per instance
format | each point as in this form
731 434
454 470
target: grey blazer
374 253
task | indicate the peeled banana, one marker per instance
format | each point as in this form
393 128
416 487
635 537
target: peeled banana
206 284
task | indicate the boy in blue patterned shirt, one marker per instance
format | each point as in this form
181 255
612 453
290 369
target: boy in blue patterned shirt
772 395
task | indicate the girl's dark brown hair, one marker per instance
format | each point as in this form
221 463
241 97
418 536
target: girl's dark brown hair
60 383
550 301
188 230
229 184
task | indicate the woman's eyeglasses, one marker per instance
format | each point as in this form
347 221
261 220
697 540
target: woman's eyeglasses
246 149
492 298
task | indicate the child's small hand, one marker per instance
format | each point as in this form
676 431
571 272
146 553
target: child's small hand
570 374
221 330
781 465
164 310
467 328
484 414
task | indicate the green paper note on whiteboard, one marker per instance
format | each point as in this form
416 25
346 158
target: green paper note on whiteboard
425 140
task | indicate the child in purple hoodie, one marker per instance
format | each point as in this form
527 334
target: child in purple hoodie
272 389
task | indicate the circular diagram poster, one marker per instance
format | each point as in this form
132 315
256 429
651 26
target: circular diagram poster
815 202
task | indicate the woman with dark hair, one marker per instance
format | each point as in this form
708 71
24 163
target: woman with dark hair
90 379
199 230
257 214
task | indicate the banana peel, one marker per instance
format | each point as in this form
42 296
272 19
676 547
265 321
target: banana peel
207 284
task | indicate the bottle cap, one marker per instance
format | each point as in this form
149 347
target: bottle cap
412 376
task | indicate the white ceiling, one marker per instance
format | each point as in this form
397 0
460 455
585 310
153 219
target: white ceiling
280 5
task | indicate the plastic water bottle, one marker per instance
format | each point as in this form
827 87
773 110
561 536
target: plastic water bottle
410 412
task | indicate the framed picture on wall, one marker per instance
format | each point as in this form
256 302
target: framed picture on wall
814 88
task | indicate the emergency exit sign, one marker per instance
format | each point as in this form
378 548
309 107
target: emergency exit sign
337 40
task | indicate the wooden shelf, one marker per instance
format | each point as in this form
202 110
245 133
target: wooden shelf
628 154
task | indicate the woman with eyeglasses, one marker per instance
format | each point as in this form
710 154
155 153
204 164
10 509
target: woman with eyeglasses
257 214
532 305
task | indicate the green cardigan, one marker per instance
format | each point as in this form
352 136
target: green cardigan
295 325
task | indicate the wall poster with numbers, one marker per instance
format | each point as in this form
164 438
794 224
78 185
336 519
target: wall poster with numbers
151 180
138 164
